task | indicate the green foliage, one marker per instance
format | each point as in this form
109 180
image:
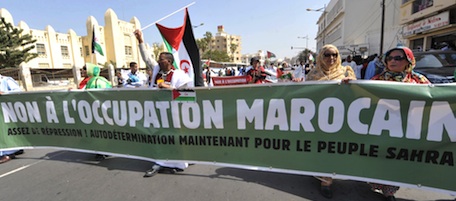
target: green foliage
303 56
233 48
14 46
158 48
204 44
217 56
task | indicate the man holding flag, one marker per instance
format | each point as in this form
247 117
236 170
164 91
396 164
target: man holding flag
176 68
163 76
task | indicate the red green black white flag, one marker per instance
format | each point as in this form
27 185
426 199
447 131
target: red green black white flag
96 45
270 54
184 95
180 41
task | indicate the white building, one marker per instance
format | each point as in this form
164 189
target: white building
354 26
67 52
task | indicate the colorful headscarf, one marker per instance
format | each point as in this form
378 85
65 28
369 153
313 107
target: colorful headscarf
96 81
408 54
408 75
325 72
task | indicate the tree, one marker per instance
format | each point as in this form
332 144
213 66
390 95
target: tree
217 56
304 55
208 39
14 46
158 48
233 48
207 44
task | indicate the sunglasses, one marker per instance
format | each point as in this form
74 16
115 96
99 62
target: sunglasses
328 55
397 58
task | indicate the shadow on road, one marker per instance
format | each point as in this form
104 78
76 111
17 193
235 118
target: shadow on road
110 163
304 186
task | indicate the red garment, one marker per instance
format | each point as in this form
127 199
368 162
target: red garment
83 83
252 72
409 77
168 77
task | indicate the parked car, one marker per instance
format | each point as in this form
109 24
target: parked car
437 66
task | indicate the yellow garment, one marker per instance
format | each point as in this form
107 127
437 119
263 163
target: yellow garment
334 73
323 71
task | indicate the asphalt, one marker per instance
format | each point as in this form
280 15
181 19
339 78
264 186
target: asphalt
55 175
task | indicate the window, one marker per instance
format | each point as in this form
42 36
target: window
419 5
127 39
64 50
128 50
40 49
428 60
87 51
417 45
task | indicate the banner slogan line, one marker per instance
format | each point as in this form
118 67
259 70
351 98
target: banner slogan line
388 133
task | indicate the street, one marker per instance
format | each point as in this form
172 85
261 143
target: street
52 174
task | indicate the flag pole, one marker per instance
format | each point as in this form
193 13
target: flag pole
167 16
93 33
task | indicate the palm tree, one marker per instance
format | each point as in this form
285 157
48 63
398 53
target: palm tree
202 45
233 48
208 40
157 49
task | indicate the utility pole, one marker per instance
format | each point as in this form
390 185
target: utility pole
383 28
307 39
323 30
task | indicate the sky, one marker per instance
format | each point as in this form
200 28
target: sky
268 25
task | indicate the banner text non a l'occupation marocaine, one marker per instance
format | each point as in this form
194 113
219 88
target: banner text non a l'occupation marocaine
319 128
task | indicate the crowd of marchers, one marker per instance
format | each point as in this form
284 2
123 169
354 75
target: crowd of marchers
396 65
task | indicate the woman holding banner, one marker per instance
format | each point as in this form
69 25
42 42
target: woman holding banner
329 68
399 63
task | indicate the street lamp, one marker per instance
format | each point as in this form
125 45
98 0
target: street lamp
323 10
196 26
320 9
307 39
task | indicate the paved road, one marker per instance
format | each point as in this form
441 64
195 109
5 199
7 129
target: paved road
51 175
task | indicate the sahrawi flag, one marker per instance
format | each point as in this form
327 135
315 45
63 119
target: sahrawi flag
181 43
270 54
96 46
185 95
311 58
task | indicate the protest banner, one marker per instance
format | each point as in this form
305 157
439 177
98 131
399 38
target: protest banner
230 80
393 133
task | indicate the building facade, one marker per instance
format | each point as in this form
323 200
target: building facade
231 44
428 24
355 26
68 51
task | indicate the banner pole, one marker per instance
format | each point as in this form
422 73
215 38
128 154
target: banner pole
167 16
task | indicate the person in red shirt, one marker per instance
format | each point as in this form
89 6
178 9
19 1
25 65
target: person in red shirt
86 77
256 73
